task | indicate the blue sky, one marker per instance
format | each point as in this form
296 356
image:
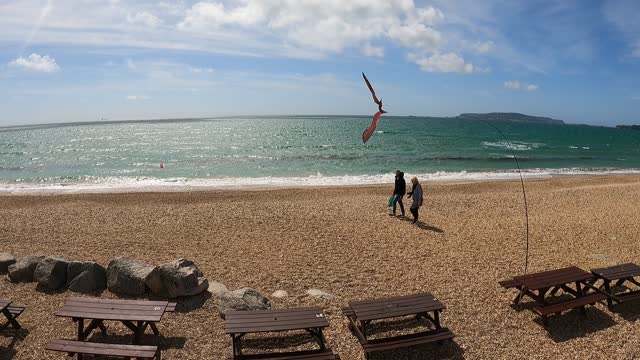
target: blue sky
82 60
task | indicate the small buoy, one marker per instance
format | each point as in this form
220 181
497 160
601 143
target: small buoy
161 165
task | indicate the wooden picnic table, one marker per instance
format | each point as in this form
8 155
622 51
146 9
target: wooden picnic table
310 319
620 274
136 315
543 286
11 313
422 306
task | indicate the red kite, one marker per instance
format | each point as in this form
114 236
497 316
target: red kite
369 131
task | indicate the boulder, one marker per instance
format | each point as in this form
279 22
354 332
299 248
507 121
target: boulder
51 273
22 270
178 278
243 299
6 259
127 276
217 289
86 277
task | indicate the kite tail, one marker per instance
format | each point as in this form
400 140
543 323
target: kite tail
524 193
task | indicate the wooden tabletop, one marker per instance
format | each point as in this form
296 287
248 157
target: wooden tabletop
4 303
113 309
552 278
242 322
617 272
395 306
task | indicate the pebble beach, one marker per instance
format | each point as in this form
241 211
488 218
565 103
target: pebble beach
342 240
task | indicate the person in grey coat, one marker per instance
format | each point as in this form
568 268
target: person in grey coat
416 195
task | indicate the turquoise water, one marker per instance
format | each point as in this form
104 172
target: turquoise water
315 149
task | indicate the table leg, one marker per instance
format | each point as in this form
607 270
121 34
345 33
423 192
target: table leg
363 329
579 294
607 288
154 328
80 329
235 345
80 334
10 320
138 334
436 319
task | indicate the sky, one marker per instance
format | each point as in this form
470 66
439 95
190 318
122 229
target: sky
85 60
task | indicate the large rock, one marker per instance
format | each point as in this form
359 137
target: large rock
243 299
178 278
6 259
51 272
22 271
127 276
86 277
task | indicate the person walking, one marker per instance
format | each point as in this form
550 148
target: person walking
416 195
398 192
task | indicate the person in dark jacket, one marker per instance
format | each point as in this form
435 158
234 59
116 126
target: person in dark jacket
416 195
398 192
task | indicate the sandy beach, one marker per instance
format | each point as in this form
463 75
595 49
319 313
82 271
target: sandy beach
341 240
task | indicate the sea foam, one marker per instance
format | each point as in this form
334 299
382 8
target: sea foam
152 184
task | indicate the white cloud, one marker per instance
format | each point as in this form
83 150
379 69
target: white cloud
138 97
370 50
144 18
635 97
36 63
323 25
517 85
446 63
310 29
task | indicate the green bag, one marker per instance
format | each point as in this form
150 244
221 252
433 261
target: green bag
390 202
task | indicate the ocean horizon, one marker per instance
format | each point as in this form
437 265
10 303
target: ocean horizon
265 151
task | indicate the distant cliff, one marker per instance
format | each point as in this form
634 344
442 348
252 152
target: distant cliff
629 127
514 117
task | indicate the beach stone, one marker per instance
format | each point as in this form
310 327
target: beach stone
23 269
242 300
6 259
127 276
317 293
178 278
86 277
217 289
280 294
51 272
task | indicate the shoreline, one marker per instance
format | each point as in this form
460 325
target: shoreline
169 185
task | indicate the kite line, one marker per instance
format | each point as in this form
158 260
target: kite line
524 193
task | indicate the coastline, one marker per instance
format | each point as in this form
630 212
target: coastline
341 240
150 184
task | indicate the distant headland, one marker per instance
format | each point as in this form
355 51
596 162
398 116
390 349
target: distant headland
513 117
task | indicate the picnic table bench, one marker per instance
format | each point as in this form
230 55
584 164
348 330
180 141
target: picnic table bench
11 312
80 348
311 319
620 274
137 315
542 286
422 306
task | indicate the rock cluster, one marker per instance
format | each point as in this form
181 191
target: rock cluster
123 275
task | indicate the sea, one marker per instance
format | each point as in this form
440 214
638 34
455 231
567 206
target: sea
283 151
